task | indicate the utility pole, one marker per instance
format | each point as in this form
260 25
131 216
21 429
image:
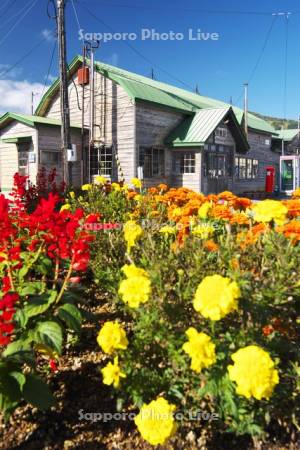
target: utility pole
298 147
246 108
197 89
91 47
33 94
64 95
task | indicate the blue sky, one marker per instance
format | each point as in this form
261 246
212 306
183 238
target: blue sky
219 67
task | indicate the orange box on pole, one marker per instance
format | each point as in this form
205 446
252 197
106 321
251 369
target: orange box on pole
83 75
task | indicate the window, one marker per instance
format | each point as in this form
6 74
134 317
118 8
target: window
51 158
23 162
246 168
101 161
221 132
184 162
152 160
23 151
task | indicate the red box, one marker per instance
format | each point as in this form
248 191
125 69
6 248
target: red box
83 75
270 179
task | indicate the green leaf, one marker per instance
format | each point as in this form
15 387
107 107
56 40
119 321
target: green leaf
37 392
19 351
71 315
19 377
50 334
44 265
38 305
32 287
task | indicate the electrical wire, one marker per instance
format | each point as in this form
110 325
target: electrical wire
285 66
18 21
2 74
178 80
7 9
261 53
49 68
9 19
76 15
192 10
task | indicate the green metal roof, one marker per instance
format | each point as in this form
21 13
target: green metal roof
17 139
196 130
141 88
30 120
286 135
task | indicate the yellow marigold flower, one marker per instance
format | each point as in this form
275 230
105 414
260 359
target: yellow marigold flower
137 183
296 193
86 187
65 207
200 348
204 209
254 372
112 337
135 290
168 229
133 271
155 421
269 210
132 231
100 179
138 198
203 231
72 195
112 373
216 296
116 187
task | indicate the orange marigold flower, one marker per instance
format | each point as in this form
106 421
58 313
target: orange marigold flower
211 246
293 207
241 203
163 187
212 198
239 219
291 230
131 194
221 212
227 196
152 191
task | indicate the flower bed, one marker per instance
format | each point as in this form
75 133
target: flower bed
204 293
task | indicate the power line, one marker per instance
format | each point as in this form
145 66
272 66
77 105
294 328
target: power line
2 74
76 15
138 52
261 53
285 65
8 8
192 10
3 24
49 68
18 21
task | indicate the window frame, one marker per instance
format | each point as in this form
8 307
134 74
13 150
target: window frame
184 163
102 161
246 174
155 157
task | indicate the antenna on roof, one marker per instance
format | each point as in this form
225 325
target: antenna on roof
230 100
152 74
197 89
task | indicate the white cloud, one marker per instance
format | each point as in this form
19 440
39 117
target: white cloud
15 96
49 35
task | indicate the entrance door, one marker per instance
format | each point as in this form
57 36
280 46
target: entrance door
287 174
216 172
